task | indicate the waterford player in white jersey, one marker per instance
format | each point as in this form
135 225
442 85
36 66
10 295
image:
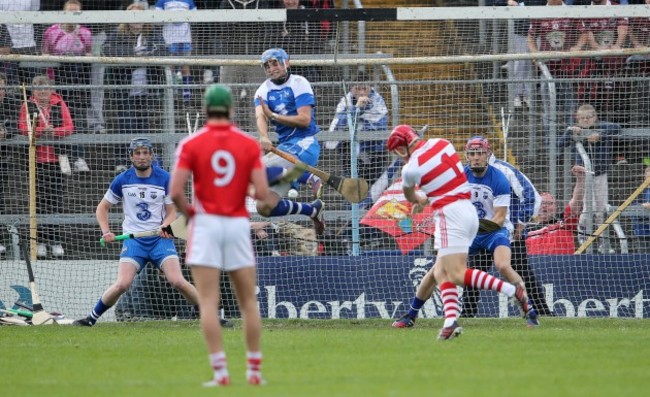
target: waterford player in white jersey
287 101
142 189
490 194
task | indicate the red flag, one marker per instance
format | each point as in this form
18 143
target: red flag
392 214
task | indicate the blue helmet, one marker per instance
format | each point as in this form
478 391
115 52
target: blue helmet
278 54
137 143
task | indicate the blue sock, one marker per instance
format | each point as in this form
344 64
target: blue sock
99 309
415 306
304 177
288 207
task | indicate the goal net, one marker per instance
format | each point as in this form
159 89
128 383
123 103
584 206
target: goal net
97 74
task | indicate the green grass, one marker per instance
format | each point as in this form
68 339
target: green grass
367 358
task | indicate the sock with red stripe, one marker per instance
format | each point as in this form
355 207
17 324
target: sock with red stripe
480 279
450 306
220 367
254 367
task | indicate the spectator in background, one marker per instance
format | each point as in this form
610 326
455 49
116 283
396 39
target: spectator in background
521 70
71 40
326 28
265 239
96 120
178 38
133 101
53 121
301 38
605 34
559 34
598 138
8 118
22 39
639 66
554 234
244 39
5 42
641 224
639 31
369 112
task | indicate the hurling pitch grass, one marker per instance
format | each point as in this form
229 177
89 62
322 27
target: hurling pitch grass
493 357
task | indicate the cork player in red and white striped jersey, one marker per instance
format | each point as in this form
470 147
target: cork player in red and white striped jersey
434 167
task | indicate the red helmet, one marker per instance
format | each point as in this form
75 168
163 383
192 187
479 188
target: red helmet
402 135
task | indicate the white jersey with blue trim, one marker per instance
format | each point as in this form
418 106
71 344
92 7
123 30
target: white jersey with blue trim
488 192
144 199
285 99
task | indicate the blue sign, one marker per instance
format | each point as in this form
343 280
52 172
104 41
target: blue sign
382 286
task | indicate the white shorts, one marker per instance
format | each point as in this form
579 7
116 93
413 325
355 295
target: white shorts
218 241
456 227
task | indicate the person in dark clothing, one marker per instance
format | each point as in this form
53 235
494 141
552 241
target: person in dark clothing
598 138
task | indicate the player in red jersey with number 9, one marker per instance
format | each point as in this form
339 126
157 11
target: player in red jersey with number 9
224 161
435 168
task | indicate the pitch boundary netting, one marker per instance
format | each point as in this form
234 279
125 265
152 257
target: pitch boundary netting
455 70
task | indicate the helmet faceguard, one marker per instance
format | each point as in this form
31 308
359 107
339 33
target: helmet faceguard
279 55
137 143
477 144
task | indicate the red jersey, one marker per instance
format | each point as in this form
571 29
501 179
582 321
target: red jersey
557 35
435 167
605 30
555 239
221 158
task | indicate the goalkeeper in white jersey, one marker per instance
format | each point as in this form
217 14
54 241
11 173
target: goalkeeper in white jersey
490 195
143 191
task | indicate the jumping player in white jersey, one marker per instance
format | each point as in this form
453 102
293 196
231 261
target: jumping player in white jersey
434 167
147 206
287 101
491 198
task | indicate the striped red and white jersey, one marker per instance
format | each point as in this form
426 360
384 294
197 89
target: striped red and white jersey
436 168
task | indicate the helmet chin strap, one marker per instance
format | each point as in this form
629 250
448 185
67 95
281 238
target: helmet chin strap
281 80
